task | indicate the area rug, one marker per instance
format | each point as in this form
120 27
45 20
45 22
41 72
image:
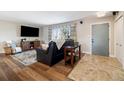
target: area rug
26 58
97 68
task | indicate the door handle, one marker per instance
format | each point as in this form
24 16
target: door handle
120 45
92 40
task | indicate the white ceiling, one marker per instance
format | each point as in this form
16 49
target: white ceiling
44 17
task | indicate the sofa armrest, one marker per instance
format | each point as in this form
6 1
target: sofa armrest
41 53
42 50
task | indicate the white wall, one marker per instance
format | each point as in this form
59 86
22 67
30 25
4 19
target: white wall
84 33
45 34
11 31
7 31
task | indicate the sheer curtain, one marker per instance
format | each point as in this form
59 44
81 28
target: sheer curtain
56 33
62 32
58 36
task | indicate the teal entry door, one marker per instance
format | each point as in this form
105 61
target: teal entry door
100 39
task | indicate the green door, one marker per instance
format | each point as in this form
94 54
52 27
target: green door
100 39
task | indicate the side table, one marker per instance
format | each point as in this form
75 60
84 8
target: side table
8 50
71 49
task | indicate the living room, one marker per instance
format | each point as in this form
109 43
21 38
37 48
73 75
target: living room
36 49
65 46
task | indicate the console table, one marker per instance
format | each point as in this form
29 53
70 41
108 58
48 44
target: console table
71 49
28 45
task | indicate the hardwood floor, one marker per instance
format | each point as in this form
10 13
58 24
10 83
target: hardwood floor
12 70
107 67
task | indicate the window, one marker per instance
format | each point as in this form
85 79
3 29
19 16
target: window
64 31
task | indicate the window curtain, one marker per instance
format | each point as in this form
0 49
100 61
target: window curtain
73 33
49 33
62 31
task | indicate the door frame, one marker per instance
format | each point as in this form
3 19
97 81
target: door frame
110 30
115 33
115 51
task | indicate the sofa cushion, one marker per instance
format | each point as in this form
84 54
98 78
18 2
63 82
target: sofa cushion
44 46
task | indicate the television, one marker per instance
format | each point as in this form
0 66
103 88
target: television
27 31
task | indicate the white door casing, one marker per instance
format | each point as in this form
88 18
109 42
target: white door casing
119 39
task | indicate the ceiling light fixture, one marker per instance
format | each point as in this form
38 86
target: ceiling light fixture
101 13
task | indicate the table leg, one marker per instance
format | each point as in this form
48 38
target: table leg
72 58
79 52
65 55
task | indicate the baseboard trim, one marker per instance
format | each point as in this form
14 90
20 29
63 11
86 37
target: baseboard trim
86 52
112 55
91 53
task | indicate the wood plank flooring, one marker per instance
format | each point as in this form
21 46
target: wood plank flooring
11 70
